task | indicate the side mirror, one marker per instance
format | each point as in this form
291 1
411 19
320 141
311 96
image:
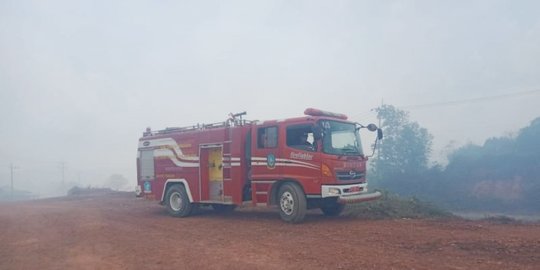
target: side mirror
379 134
372 127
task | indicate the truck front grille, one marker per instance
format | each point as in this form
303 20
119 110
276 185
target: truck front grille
349 175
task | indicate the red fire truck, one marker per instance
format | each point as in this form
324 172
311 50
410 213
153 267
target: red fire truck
313 161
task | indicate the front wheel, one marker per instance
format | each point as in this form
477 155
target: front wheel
332 209
177 201
292 203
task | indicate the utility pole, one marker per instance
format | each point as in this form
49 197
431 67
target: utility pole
379 118
12 167
379 125
63 168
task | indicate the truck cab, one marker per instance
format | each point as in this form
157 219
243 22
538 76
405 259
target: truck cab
315 161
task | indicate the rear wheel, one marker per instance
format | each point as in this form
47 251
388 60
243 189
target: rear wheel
177 201
292 203
332 209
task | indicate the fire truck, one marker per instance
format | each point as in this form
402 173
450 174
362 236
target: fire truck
296 164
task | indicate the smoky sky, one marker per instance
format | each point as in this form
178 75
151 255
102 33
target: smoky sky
81 80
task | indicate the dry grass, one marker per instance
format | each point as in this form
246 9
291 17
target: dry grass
391 206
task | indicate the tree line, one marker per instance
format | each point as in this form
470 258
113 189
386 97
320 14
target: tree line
503 174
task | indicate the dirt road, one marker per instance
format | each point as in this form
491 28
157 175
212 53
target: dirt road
119 231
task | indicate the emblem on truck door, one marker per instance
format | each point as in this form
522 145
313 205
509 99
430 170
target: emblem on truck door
147 187
271 161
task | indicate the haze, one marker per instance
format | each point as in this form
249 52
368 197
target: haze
80 81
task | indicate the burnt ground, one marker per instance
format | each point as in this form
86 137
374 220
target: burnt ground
119 231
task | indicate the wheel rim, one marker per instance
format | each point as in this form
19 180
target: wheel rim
287 203
175 201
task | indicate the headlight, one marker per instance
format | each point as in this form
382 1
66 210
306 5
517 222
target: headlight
334 191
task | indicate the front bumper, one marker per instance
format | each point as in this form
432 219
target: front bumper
345 194
359 198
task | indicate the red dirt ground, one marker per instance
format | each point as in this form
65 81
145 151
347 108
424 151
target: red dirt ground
119 231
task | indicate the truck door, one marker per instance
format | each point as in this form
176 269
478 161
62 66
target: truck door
266 167
302 158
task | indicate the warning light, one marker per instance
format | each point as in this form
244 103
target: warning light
317 112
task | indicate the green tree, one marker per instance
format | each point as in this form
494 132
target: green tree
403 153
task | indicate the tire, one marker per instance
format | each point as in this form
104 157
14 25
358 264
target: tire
223 208
177 201
292 203
332 209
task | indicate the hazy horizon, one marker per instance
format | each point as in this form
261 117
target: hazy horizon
80 81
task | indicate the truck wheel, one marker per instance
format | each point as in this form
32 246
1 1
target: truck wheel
292 203
222 208
332 209
177 201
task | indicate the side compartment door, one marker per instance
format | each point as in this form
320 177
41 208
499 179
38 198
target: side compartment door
147 170
211 166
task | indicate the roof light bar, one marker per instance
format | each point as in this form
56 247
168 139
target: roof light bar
317 112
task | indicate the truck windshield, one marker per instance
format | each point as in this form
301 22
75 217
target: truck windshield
341 138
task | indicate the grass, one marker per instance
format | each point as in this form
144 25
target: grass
392 206
81 191
501 219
